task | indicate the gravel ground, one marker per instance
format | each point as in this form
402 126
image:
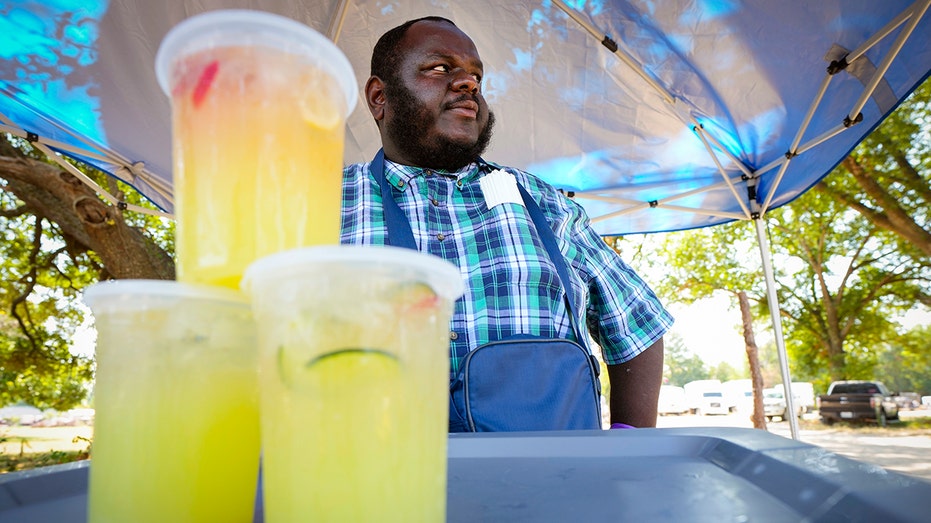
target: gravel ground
901 450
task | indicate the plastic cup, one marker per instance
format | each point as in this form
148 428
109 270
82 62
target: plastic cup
259 104
354 382
176 430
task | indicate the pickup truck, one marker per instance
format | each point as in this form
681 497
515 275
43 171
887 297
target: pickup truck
857 401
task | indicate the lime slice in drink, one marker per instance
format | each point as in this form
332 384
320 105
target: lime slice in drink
361 357
352 368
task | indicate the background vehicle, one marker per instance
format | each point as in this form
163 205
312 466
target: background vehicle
803 393
21 414
672 400
705 397
857 400
774 404
907 400
712 402
738 394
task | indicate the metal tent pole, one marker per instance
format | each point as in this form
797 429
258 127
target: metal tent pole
335 27
773 300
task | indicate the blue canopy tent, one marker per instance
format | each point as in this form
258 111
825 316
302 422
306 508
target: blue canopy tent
655 116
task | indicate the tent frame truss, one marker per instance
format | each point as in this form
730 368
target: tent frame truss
756 211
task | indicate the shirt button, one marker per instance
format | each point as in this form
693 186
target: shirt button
440 236
400 183
428 172
435 202
459 183
453 335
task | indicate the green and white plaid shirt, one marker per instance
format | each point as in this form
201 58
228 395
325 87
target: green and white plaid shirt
512 287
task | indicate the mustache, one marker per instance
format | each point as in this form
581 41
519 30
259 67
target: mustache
465 97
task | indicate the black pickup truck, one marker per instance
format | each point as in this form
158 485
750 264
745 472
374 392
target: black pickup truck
857 401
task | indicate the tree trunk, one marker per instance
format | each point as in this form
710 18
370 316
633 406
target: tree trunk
756 377
87 223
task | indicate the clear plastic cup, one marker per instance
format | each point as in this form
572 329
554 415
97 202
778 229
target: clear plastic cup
354 382
176 429
259 104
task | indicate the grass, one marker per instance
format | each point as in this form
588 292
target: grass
23 448
903 427
25 460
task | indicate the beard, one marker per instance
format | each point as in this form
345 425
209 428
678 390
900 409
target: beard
408 131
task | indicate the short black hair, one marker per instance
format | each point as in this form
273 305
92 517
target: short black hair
386 56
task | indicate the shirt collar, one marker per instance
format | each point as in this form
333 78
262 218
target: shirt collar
400 176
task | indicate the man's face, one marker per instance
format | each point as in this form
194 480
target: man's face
435 114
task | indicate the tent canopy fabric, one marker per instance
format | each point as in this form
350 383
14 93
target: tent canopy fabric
655 116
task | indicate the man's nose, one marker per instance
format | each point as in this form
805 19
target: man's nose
464 81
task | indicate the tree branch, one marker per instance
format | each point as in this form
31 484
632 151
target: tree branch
86 222
907 174
30 281
894 217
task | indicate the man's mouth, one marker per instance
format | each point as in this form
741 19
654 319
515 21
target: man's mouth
467 108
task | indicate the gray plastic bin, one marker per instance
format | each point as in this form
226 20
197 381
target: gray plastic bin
688 474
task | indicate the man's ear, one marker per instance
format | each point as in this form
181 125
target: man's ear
375 96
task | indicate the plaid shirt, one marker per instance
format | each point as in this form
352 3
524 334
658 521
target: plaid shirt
512 287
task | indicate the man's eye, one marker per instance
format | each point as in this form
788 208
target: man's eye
443 68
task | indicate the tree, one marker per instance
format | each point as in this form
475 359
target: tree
904 364
681 365
769 366
699 263
58 238
889 176
124 245
843 280
753 355
724 371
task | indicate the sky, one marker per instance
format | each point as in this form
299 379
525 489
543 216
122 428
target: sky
709 329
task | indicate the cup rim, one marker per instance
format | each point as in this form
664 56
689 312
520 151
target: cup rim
138 289
444 277
199 33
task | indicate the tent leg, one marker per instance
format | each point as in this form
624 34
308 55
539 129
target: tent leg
773 300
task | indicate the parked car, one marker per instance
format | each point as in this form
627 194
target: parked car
738 394
672 400
907 400
774 404
804 394
857 400
83 416
706 397
712 402
21 414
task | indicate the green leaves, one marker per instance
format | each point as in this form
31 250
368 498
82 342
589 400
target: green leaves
46 261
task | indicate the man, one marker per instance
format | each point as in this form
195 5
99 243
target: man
425 96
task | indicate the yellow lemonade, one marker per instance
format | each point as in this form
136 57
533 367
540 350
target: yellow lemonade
354 379
176 433
258 151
